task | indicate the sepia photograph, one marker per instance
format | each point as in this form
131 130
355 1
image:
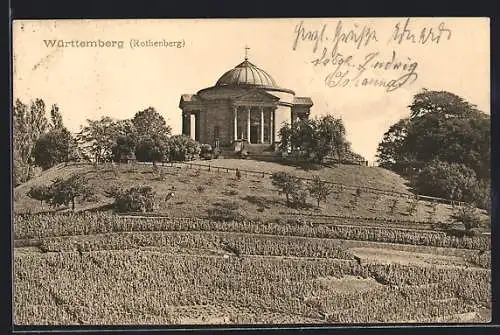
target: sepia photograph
311 171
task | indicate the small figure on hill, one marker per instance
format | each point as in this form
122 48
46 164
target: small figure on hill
238 174
169 196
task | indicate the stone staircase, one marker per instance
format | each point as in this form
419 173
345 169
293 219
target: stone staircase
256 151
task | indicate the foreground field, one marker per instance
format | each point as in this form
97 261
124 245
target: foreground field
105 269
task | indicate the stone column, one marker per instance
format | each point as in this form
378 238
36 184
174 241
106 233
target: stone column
235 111
248 124
272 127
186 124
192 125
197 126
261 124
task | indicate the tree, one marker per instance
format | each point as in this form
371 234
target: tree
285 184
56 117
97 138
65 192
151 149
442 102
318 189
447 180
40 193
452 139
125 128
331 138
28 125
290 186
481 194
53 148
441 126
297 137
315 139
182 148
123 148
149 121
389 153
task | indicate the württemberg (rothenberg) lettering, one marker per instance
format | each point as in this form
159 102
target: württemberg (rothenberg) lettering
83 44
98 43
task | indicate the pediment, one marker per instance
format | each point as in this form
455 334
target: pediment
257 95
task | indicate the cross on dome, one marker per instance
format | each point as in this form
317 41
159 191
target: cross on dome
246 52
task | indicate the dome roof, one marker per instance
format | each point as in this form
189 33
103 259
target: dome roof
246 74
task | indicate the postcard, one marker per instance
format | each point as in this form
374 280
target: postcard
251 171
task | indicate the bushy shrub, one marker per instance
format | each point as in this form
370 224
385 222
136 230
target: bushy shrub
65 192
216 153
243 154
183 148
151 149
134 199
206 151
452 180
40 193
468 216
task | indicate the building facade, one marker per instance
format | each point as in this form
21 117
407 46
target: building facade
244 107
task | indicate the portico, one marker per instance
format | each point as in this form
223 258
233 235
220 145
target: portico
254 124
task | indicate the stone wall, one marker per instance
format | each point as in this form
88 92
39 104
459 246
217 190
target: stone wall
218 115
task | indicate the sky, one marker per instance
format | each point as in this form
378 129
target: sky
120 79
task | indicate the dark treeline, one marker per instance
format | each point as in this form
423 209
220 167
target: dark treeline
443 148
40 142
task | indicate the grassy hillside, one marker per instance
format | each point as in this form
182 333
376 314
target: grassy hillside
200 193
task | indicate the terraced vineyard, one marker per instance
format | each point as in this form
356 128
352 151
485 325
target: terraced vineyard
83 268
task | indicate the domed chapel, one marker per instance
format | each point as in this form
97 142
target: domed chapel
245 107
